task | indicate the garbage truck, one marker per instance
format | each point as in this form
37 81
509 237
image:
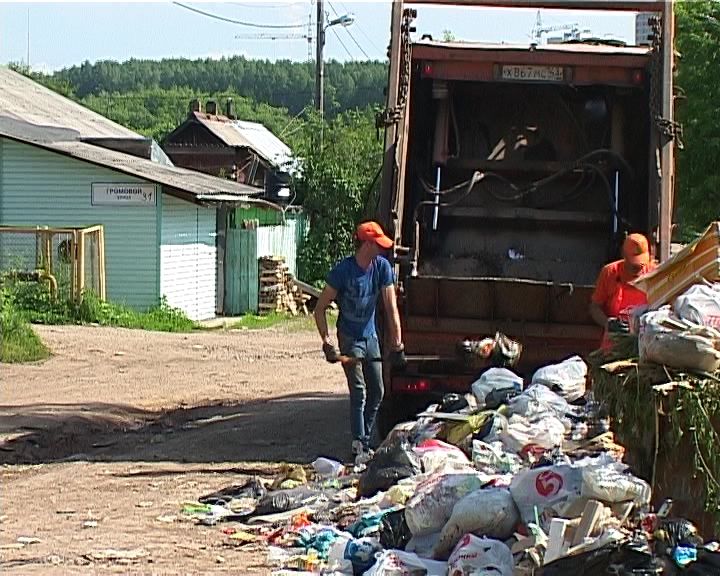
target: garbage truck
511 175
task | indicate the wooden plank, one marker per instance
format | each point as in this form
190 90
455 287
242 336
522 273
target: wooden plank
308 289
556 547
593 512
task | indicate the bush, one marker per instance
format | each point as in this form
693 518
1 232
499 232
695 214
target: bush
34 304
335 188
18 341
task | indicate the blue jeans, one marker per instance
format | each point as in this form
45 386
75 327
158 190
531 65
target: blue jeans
365 383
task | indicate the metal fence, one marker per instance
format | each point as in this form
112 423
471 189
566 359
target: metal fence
69 261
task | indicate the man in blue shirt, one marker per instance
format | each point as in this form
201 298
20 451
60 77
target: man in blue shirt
356 283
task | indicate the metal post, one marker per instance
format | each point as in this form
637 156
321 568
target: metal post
668 147
319 63
389 166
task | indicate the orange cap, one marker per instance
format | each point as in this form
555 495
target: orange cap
636 249
371 231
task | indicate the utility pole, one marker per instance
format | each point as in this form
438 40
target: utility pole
319 62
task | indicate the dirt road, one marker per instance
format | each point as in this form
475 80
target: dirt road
120 427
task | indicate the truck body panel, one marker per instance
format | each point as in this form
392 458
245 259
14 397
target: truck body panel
511 174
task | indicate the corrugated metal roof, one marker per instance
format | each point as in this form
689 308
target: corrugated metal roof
574 48
181 182
24 99
248 134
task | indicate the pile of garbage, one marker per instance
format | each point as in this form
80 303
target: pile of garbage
511 479
661 380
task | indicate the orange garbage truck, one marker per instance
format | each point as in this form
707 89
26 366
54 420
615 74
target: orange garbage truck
511 174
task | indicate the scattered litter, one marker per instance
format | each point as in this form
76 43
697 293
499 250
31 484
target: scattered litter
25 540
167 518
117 555
90 524
503 481
145 504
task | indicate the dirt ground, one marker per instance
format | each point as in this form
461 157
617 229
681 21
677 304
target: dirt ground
120 427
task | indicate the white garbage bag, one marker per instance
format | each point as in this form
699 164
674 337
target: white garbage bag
475 556
692 349
700 304
567 378
491 458
672 341
488 512
610 485
423 545
547 432
395 562
552 488
538 401
495 379
431 506
438 456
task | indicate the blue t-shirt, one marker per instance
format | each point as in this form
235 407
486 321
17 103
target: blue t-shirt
358 292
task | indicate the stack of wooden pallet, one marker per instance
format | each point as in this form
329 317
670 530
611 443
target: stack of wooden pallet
278 291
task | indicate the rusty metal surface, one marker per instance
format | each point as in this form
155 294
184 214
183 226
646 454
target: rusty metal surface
581 74
422 47
233 133
620 5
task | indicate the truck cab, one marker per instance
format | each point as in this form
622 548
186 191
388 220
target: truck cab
511 177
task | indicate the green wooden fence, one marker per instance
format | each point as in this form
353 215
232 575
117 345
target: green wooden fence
243 247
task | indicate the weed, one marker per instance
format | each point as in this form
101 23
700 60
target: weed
34 304
18 341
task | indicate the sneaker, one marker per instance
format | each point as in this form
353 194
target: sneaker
362 455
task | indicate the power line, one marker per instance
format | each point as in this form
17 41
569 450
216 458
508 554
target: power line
342 43
265 5
350 33
362 31
239 22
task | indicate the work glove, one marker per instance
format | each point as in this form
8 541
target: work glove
397 358
331 353
617 326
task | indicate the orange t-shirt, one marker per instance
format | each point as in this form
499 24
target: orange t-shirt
615 295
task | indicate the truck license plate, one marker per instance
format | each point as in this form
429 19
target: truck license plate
533 73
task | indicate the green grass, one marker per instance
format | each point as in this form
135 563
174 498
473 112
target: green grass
286 321
18 341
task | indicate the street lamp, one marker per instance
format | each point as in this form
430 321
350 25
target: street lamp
344 20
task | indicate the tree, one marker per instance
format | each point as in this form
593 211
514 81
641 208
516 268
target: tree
335 187
698 41
283 83
448 36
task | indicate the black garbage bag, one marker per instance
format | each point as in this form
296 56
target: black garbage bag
453 403
500 396
252 488
707 564
389 465
284 500
678 532
625 560
394 531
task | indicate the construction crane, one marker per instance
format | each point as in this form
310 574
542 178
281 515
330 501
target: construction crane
283 36
539 29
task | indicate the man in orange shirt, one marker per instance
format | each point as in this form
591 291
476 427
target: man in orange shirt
614 297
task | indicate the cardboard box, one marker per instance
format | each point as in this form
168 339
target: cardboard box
695 263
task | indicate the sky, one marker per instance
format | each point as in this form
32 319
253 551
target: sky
63 34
